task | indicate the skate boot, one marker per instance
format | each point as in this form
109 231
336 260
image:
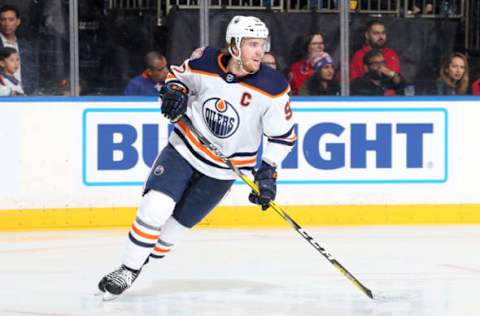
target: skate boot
116 282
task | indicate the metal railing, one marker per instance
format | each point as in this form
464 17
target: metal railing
435 8
133 4
472 25
365 6
376 6
407 8
227 4
308 5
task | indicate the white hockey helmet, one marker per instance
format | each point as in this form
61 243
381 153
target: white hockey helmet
246 27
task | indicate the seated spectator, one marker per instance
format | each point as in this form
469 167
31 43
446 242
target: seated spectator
476 87
152 78
27 70
378 79
323 81
270 60
437 7
447 8
303 68
421 7
9 64
375 37
453 78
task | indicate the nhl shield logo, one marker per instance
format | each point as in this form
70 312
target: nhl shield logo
221 117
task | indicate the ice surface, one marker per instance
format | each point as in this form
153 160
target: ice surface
416 270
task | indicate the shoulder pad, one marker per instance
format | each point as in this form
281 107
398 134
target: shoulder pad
198 53
269 81
205 59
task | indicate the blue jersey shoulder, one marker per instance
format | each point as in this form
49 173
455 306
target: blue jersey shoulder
206 61
268 80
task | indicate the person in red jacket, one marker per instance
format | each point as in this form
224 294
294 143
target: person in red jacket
476 87
303 69
375 37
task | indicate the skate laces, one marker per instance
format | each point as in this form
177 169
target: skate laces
123 278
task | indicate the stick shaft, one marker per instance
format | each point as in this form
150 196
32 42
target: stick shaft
279 210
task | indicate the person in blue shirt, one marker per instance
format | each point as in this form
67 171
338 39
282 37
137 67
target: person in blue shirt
153 77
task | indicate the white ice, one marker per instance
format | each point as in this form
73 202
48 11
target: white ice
423 270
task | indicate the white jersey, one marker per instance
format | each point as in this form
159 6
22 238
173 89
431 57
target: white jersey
10 86
232 113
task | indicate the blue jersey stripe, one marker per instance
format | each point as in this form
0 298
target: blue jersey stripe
138 242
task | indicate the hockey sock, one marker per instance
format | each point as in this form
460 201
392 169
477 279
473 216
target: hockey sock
171 233
154 210
160 249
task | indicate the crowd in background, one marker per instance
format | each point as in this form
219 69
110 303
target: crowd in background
375 68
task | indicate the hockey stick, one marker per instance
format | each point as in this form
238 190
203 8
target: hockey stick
278 209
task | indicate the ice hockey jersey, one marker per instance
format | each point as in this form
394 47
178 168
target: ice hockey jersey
233 113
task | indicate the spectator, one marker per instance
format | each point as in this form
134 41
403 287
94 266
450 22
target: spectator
152 78
303 68
9 22
453 78
375 37
323 81
422 6
270 60
9 64
476 87
378 79
448 7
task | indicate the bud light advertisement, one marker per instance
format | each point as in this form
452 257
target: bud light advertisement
336 144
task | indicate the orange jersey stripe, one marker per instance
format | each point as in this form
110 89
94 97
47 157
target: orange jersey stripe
162 250
292 138
212 74
219 61
197 144
144 235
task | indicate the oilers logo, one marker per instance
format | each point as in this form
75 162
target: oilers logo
221 117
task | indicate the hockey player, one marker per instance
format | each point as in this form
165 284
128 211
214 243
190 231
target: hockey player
233 100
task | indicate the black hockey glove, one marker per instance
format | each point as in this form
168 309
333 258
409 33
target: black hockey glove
266 179
174 103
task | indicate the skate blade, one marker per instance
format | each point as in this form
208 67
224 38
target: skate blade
109 296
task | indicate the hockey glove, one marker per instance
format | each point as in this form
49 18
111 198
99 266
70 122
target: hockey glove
174 103
266 179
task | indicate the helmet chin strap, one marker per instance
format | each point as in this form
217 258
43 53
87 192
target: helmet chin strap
238 59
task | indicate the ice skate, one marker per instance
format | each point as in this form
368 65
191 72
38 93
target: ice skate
116 282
